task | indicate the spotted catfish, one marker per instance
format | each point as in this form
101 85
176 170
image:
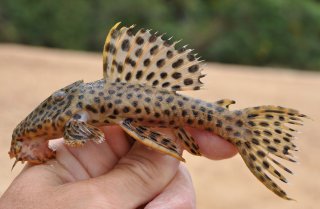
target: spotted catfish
142 73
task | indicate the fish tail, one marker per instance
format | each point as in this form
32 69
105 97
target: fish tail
261 134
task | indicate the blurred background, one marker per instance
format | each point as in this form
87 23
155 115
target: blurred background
253 32
259 52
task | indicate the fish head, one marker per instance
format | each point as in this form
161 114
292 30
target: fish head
45 122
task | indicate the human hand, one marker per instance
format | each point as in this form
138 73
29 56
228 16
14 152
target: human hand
114 174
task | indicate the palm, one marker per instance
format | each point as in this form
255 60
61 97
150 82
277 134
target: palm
94 160
113 174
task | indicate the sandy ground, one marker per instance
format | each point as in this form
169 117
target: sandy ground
28 75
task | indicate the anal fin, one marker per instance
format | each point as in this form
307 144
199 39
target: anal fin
152 139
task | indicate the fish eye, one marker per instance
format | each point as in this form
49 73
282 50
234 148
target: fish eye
58 96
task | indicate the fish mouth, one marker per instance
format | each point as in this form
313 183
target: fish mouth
14 152
11 153
34 151
15 148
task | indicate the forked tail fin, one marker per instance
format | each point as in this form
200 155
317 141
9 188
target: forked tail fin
265 134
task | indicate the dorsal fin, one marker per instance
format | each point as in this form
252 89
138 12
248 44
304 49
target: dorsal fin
146 58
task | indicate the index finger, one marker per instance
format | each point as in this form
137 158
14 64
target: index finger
211 145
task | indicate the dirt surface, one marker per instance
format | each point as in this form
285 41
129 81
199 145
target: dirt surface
28 75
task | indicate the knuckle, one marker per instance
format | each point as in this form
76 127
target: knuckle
187 203
140 168
93 195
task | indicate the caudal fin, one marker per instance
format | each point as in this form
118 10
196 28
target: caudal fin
265 134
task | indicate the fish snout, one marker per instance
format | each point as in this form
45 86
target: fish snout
34 151
15 149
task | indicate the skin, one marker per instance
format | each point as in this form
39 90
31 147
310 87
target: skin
114 174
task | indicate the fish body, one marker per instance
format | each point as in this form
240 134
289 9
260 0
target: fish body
142 74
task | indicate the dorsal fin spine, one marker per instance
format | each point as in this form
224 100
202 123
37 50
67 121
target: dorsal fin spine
143 57
142 48
118 43
104 54
132 46
129 54
161 49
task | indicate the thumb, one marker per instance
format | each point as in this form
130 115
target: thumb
138 177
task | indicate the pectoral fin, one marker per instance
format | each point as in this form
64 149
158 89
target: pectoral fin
78 132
